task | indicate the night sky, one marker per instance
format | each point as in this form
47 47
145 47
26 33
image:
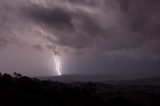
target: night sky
112 37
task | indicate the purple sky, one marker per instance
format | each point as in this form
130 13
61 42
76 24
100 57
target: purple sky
119 37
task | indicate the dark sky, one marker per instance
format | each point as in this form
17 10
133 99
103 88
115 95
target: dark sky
115 37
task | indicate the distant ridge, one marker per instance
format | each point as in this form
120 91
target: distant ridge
144 81
82 78
104 79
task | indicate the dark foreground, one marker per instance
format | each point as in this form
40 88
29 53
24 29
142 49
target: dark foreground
19 90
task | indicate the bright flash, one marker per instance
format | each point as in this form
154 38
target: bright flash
57 63
55 57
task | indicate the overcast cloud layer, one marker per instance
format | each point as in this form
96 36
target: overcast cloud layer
108 31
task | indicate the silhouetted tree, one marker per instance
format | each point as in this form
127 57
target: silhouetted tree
17 75
6 79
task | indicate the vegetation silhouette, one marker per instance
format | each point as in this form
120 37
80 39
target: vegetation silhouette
18 90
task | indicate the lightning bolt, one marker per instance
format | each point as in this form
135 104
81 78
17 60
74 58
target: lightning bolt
57 62
54 56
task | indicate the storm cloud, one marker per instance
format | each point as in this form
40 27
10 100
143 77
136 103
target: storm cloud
126 27
118 29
